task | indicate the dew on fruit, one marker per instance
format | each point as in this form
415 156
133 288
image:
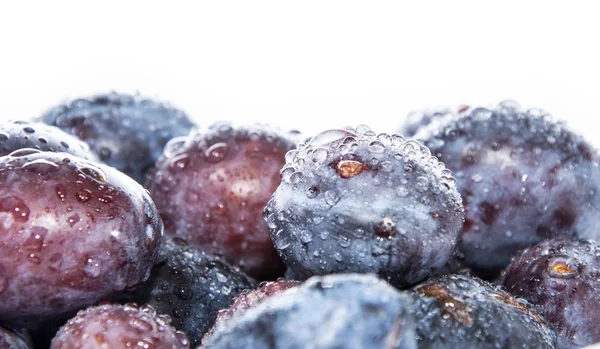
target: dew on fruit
328 137
319 155
40 166
16 207
216 152
82 196
92 268
331 197
24 152
140 324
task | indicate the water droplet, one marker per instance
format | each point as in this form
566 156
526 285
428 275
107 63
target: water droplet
481 113
91 268
141 324
173 146
217 152
509 105
3 137
324 235
402 191
83 195
105 199
61 192
183 291
350 141
386 166
94 173
290 155
296 177
64 144
331 197
220 208
476 178
41 166
330 136
286 173
24 152
376 147
182 338
422 184
362 129
42 140
221 278
34 258
74 219
345 241
306 237
16 207
319 155
312 192
28 130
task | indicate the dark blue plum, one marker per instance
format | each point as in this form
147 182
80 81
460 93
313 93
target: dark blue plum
248 299
191 287
523 177
127 132
15 135
353 201
349 311
561 278
459 311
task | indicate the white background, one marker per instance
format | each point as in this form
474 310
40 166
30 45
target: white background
309 65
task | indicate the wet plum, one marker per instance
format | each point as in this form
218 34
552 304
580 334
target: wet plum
126 131
248 299
523 177
73 233
15 135
561 278
190 286
353 201
119 326
348 311
459 311
212 186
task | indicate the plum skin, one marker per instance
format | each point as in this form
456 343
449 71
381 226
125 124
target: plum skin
73 233
108 326
560 278
524 178
353 201
211 187
191 286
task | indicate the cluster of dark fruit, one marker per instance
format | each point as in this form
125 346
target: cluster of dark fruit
123 225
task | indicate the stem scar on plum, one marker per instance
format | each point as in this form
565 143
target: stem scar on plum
561 269
348 168
385 228
452 307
